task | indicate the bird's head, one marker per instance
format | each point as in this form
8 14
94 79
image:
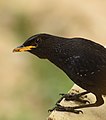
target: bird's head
39 45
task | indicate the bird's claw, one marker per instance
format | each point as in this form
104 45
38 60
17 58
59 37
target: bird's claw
61 94
50 110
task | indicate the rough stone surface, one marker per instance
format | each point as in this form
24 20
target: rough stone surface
96 113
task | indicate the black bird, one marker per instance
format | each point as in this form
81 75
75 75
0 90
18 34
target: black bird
84 62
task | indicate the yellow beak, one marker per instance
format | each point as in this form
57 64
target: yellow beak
22 48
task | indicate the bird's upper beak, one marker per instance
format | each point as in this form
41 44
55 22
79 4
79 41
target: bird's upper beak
23 48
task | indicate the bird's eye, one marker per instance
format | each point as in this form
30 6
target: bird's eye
34 43
38 40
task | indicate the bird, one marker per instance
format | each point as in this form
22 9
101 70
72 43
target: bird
81 59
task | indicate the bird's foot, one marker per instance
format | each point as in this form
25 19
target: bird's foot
58 107
73 97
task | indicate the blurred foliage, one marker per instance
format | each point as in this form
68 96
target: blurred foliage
22 26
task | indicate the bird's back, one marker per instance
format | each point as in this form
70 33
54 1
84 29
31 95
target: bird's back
83 61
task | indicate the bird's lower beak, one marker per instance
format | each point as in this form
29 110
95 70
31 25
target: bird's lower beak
23 48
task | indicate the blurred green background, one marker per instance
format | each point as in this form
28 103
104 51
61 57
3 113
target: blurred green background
30 86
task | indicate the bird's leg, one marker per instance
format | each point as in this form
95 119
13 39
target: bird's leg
76 97
99 102
58 107
73 97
